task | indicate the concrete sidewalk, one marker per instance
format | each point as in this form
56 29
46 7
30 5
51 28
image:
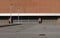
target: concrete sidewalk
50 28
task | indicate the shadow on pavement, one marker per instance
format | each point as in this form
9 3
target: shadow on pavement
9 25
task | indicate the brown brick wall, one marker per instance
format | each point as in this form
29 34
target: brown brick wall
31 6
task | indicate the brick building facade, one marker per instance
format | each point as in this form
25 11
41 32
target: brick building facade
30 6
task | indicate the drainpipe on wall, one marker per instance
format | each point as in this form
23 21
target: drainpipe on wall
18 9
10 19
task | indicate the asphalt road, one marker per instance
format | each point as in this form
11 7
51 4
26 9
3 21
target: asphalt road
48 29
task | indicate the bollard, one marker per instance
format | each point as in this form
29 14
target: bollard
58 20
39 20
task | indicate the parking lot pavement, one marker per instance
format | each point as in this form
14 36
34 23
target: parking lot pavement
48 29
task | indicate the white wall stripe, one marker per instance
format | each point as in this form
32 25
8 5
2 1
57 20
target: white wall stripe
30 14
